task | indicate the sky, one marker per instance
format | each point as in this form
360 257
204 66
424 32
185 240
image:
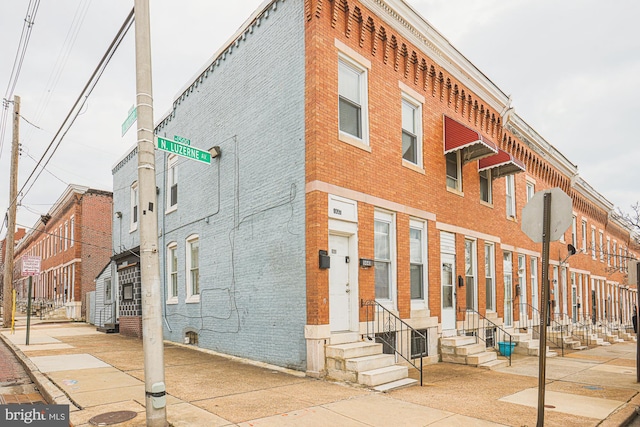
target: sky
571 67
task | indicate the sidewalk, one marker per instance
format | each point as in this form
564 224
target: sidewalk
96 373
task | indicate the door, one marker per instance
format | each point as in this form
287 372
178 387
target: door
448 292
339 286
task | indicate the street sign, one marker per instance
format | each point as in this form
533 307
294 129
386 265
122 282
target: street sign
181 140
131 119
30 265
561 215
184 150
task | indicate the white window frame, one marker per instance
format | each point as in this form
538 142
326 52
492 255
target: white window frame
510 191
471 271
593 242
66 235
72 232
487 177
388 218
192 297
584 235
457 181
172 249
363 74
601 240
533 267
416 132
574 231
108 290
135 208
490 275
615 254
421 226
531 190
608 252
172 179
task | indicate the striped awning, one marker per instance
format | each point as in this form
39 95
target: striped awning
460 137
501 164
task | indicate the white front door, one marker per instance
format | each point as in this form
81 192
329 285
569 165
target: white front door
340 289
448 292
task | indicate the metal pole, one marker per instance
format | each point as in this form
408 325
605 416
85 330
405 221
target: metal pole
9 242
29 310
152 339
542 358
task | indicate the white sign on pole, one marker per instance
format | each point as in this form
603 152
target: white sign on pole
561 215
30 265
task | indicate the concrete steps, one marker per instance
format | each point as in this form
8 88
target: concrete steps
465 351
364 363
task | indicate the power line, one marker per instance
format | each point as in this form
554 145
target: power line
77 106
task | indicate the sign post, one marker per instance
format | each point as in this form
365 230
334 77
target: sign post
556 218
30 266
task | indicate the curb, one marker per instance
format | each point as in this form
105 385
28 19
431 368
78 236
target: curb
625 415
49 390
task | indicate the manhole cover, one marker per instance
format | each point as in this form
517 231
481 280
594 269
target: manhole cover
111 418
549 406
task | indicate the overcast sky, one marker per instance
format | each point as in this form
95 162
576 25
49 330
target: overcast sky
571 66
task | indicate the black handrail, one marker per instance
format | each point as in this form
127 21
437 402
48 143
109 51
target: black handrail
385 327
553 325
493 338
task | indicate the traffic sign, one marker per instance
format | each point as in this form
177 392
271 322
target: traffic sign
561 215
131 119
30 265
184 150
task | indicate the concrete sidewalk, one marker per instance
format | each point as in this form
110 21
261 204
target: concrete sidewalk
95 374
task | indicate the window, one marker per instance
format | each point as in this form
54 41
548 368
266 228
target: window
352 99
454 171
584 235
531 190
601 247
419 346
485 186
383 230
417 256
608 252
134 206
511 196
172 182
193 269
172 272
107 289
574 231
534 282
72 235
411 130
593 242
127 292
507 267
470 273
66 235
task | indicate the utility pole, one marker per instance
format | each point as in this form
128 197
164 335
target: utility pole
152 339
11 221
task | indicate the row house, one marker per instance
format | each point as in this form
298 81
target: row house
73 241
359 160
19 234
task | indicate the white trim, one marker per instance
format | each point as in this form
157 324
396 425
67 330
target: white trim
191 298
363 91
172 163
419 224
355 56
416 105
171 299
390 218
133 226
417 96
442 226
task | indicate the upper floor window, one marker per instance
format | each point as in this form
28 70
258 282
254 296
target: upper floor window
574 231
486 189
352 95
134 206
193 269
172 272
454 170
72 232
593 242
172 182
615 254
411 130
107 289
584 235
601 247
608 252
531 190
510 183
66 235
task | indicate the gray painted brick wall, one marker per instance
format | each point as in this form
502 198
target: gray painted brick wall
248 206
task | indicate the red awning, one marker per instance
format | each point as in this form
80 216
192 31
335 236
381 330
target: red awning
473 145
501 164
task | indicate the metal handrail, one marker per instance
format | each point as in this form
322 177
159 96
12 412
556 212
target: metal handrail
103 321
552 324
498 334
382 325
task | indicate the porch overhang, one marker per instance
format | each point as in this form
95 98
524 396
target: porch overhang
473 146
501 164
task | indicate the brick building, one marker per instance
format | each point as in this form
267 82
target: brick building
365 162
74 242
19 234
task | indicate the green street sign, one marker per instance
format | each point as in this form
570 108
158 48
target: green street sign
184 150
131 119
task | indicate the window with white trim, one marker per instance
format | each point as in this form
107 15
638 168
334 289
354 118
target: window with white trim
134 206
454 170
66 235
533 263
510 184
383 255
615 254
411 130
418 260
574 231
172 182
107 289
172 273
593 242
601 246
584 235
486 190
193 269
352 99
531 190
72 232
609 252
470 273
